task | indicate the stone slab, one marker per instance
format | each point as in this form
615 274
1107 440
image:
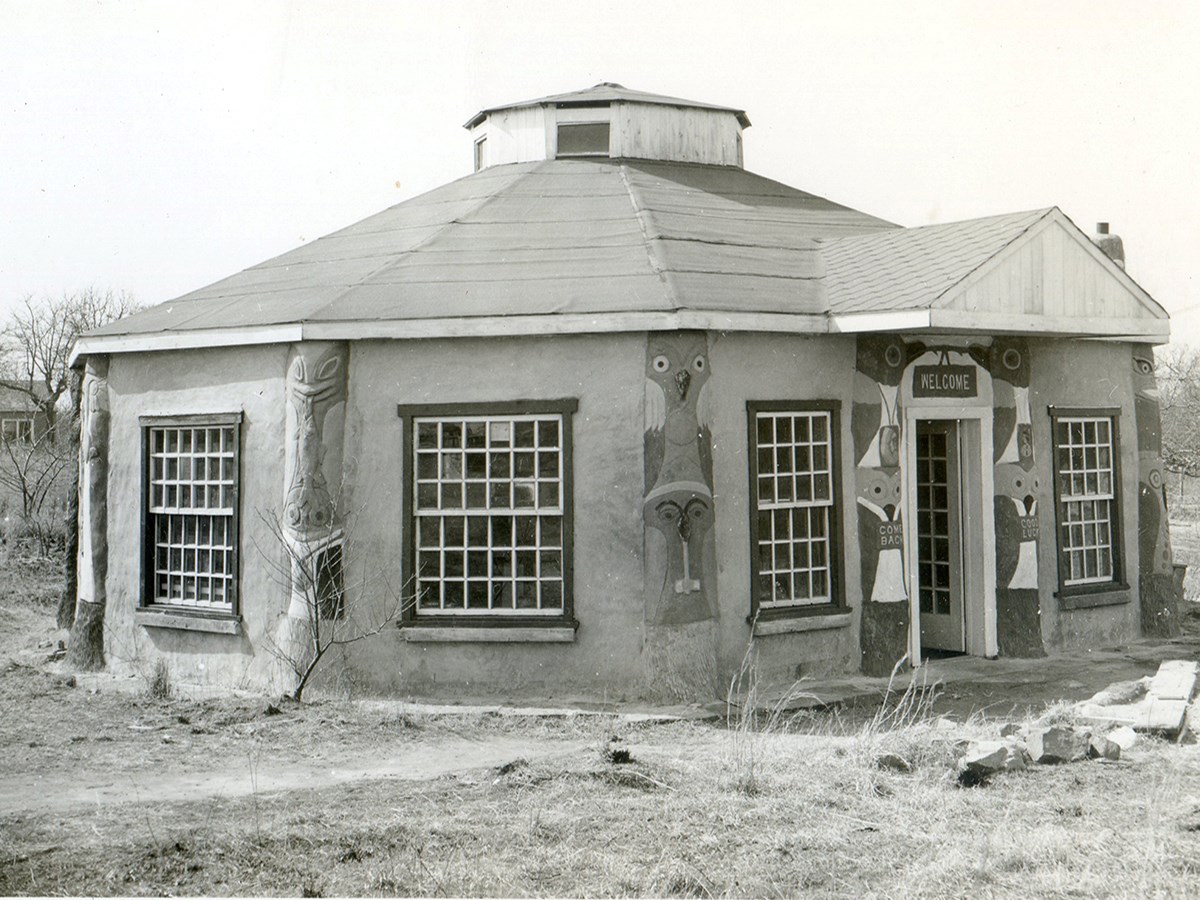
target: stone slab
1176 680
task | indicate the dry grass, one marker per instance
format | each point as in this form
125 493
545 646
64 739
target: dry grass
825 819
769 804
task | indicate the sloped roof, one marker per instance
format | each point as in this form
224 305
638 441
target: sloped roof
1033 272
911 268
552 238
603 93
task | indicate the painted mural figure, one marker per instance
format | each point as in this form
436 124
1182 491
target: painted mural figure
1016 480
875 425
678 499
1017 488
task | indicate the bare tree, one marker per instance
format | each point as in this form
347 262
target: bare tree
1178 375
31 470
325 611
35 355
40 334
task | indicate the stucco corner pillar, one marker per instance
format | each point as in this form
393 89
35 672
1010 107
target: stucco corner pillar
86 647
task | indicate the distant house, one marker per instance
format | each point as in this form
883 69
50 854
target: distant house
20 418
611 407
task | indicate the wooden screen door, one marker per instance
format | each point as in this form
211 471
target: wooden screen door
939 535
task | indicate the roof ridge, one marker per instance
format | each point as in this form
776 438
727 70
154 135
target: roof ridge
909 229
396 260
642 215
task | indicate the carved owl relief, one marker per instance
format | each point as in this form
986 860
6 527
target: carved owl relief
678 468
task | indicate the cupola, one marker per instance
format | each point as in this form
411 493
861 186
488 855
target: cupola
608 121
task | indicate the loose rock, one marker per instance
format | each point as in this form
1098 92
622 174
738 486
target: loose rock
988 757
1124 737
1058 744
1100 747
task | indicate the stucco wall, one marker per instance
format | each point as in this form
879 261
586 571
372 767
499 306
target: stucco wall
247 380
1084 374
777 367
605 374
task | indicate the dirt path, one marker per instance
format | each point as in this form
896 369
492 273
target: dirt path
421 761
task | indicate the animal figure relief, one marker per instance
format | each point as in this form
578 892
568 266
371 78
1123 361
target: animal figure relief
678 500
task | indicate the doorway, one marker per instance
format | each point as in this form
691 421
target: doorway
941 569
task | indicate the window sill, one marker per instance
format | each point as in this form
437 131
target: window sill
1108 595
796 624
153 618
473 634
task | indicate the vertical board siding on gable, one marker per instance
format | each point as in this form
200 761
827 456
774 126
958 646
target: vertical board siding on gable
1052 275
642 131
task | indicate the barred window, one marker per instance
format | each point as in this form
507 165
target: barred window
191 512
490 511
1086 480
793 473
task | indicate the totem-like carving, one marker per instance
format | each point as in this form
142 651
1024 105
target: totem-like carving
1017 488
87 635
678 499
875 425
316 400
1156 583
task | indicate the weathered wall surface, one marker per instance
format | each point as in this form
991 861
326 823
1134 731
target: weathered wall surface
776 367
1085 374
248 380
606 374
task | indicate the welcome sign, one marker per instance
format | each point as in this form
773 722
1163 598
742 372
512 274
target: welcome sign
944 381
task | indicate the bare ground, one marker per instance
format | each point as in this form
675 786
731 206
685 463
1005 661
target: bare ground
115 793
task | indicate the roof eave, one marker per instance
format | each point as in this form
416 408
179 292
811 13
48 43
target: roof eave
1139 330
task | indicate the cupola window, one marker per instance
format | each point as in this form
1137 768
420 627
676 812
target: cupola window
583 139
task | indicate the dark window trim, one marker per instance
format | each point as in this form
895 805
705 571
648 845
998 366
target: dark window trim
410 616
837 604
145 424
1118 583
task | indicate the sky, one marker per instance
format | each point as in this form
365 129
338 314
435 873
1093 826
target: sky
155 147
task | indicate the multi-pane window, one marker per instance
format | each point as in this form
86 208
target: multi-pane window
191 513
490 514
16 429
792 452
1085 468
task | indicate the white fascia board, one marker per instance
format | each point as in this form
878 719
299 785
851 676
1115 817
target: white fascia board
895 320
1139 329
185 340
466 326
600 323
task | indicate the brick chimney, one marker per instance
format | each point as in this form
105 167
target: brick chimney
1111 244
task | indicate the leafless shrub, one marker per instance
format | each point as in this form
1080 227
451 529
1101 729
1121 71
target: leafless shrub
334 613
